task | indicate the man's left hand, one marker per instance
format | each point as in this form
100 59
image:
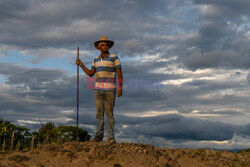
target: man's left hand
119 92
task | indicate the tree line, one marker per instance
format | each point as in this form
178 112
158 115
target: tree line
17 138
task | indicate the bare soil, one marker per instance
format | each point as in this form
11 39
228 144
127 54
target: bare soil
102 154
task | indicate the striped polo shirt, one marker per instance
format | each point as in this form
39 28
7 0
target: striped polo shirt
106 71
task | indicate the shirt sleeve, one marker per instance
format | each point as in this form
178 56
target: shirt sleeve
93 65
117 62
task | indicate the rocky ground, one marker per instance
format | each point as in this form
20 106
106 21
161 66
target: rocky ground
92 154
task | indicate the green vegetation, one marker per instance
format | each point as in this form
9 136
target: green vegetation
18 138
244 150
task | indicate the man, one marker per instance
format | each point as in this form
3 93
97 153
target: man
106 66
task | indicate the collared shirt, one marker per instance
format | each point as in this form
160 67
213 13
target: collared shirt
106 71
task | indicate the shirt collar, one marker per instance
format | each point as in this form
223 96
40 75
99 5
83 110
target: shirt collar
105 57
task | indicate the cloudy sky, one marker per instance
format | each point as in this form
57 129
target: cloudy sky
196 54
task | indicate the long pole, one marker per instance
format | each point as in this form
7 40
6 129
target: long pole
77 138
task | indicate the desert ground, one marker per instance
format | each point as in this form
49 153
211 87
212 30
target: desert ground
102 154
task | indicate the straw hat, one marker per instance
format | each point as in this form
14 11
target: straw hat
103 39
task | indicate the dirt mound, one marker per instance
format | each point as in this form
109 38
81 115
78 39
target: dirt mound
92 154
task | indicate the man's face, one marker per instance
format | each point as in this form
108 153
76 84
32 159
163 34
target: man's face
104 47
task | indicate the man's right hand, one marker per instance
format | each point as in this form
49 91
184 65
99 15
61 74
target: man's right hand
78 62
85 69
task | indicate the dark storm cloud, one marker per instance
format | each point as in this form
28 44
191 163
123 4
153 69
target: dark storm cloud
170 97
136 26
124 120
17 74
179 127
65 23
219 41
151 27
45 92
219 58
244 130
191 94
226 112
239 7
144 71
210 85
12 8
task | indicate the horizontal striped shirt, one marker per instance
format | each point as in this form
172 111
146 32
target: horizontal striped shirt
106 71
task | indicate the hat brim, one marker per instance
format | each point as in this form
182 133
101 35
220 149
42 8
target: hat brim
110 43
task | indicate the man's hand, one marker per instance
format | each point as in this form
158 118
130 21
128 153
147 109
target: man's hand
119 92
85 69
78 62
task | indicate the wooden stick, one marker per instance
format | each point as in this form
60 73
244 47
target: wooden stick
32 141
4 143
77 138
12 141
